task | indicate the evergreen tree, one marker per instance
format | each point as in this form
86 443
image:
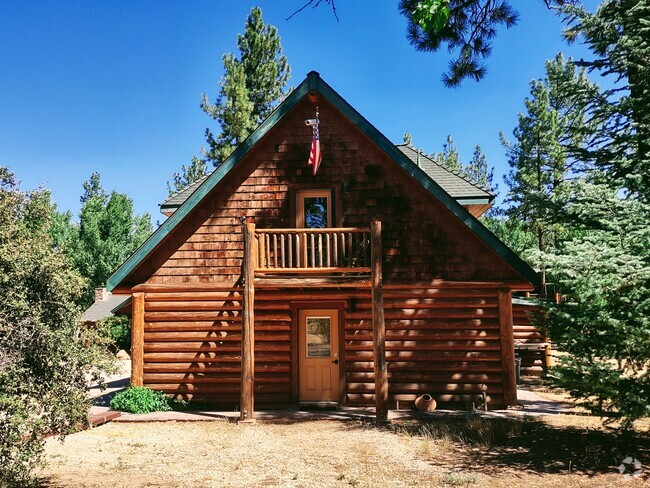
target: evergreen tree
196 170
109 232
478 171
449 156
618 35
541 168
603 324
251 87
467 27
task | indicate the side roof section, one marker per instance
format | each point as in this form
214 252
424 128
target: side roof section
464 191
314 83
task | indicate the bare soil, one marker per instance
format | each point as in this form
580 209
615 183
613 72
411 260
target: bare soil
557 451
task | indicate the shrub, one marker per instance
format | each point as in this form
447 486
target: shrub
139 399
118 330
45 355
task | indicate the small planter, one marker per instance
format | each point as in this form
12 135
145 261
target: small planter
425 403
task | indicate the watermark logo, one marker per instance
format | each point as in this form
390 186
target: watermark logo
630 467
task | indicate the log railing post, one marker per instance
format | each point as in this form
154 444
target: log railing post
378 325
137 340
248 331
507 347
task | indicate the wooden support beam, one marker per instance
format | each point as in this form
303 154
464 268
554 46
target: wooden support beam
504 300
137 339
246 404
379 326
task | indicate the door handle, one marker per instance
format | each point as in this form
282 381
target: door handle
336 361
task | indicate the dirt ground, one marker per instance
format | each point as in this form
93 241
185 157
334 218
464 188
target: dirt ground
565 451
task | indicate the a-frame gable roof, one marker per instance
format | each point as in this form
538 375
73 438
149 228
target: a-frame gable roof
311 85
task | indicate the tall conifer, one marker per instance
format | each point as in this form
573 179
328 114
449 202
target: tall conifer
251 87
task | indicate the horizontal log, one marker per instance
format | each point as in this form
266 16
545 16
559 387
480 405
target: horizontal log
432 388
213 346
181 379
425 324
418 377
193 296
444 366
192 306
176 287
172 388
428 303
327 230
209 327
311 271
191 316
440 357
211 357
329 282
428 335
426 346
230 336
477 285
439 314
203 368
228 401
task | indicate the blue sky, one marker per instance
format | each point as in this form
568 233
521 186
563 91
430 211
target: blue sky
114 85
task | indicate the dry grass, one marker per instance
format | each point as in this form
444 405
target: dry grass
471 452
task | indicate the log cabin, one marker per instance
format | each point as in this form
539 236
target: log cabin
368 283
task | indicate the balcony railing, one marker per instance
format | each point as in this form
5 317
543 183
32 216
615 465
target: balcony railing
312 251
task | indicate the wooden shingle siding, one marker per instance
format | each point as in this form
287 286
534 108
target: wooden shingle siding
422 240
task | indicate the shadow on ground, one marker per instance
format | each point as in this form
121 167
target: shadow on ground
112 388
531 445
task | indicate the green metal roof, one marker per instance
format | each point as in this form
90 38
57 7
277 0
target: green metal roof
312 83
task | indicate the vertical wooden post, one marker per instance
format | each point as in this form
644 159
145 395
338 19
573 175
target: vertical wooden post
137 339
378 325
248 330
507 347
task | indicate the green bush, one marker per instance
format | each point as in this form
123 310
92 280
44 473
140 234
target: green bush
118 330
139 399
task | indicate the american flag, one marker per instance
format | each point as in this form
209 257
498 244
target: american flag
315 155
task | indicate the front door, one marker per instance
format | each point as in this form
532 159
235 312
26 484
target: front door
318 335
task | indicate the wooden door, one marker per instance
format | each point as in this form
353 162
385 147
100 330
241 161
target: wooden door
318 355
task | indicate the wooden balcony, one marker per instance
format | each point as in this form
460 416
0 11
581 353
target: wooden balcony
313 252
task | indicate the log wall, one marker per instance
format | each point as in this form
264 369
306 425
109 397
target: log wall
533 362
442 341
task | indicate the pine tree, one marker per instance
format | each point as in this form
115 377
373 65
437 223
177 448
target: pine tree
618 35
251 87
196 170
449 156
478 171
540 159
604 271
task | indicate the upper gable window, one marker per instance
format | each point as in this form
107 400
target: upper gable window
313 209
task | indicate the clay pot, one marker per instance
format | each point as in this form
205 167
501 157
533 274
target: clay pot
425 403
